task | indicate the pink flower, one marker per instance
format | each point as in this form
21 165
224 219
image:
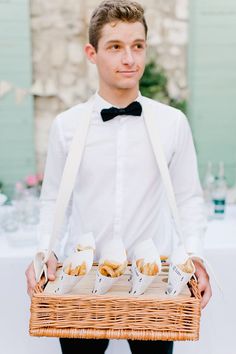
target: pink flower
31 181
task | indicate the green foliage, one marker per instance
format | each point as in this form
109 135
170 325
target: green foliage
179 104
154 85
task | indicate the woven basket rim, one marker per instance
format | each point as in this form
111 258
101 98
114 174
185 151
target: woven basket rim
131 298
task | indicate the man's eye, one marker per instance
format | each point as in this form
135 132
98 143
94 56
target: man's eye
115 46
139 45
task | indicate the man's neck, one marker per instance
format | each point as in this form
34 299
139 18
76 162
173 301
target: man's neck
120 98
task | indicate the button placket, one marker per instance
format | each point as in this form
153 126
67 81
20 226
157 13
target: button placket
119 179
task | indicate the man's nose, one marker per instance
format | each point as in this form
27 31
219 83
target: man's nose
128 57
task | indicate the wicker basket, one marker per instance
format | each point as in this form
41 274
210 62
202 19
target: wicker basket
152 316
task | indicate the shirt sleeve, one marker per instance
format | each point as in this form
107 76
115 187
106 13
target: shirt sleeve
55 162
187 188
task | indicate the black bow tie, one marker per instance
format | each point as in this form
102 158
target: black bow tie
133 109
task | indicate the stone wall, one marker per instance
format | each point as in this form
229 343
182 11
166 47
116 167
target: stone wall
63 77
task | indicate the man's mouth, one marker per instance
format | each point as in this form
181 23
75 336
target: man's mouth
127 72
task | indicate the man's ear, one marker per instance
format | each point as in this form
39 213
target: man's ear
90 52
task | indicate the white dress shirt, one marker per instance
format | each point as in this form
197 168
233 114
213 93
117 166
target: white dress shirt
118 190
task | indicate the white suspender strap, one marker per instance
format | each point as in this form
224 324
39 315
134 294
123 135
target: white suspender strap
151 120
66 186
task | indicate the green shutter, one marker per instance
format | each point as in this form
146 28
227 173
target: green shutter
17 156
212 82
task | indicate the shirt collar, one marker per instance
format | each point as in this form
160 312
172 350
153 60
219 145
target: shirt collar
100 103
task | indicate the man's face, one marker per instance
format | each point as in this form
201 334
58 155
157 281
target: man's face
120 57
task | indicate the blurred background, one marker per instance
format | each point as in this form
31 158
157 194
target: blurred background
43 71
191 65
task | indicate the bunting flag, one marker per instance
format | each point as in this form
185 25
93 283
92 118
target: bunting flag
50 88
37 88
20 95
5 87
47 88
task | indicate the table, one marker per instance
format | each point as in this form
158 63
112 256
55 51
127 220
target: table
218 319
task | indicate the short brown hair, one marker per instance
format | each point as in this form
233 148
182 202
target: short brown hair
114 10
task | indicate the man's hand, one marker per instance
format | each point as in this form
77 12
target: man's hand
203 281
30 273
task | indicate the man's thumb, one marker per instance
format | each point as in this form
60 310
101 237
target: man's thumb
52 266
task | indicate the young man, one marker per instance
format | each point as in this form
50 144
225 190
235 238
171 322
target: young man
119 191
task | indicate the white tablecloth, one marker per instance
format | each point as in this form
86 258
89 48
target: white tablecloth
218 322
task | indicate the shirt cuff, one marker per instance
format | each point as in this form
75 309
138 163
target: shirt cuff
194 247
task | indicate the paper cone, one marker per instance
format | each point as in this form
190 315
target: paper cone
140 282
179 255
86 240
103 284
177 278
114 251
147 251
67 282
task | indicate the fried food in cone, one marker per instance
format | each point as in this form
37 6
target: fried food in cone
77 271
147 268
83 248
187 267
112 269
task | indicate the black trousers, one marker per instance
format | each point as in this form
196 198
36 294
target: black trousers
98 346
